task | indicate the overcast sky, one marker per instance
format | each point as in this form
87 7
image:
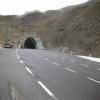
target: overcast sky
18 7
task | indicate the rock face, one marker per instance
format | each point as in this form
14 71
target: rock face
76 28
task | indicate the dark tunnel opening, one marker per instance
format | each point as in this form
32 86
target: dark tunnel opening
30 43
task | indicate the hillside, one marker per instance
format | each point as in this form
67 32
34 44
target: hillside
75 28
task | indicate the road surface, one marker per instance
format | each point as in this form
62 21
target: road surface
47 75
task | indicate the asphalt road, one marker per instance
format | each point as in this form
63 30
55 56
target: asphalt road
47 75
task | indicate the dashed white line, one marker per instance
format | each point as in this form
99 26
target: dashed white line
71 70
25 66
72 61
21 62
16 54
40 56
18 57
46 59
63 58
35 54
84 65
47 90
93 80
16 50
98 64
56 63
98 69
29 71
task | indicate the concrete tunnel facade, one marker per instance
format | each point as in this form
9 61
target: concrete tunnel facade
30 43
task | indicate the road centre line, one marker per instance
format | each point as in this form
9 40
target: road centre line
16 50
40 56
72 61
71 70
18 57
63 58
29 70
46 59
98 69
84 65
21 62
25 66
35 54
56 63
47 90
93 80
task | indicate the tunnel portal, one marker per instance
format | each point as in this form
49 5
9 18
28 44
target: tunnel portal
30 43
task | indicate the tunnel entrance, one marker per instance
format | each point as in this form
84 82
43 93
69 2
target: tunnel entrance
30 43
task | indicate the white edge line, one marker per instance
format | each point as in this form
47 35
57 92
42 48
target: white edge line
71 70
93 80
47 90
90 58
29 70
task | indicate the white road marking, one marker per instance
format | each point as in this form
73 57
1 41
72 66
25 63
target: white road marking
98 64
40 56
29 71
46 59
16 54
56 63
84 65
13 93
63 58
21 62
93 80
16 50
18 57
90 58
98 69
35 54
72 61
71 70
47 90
